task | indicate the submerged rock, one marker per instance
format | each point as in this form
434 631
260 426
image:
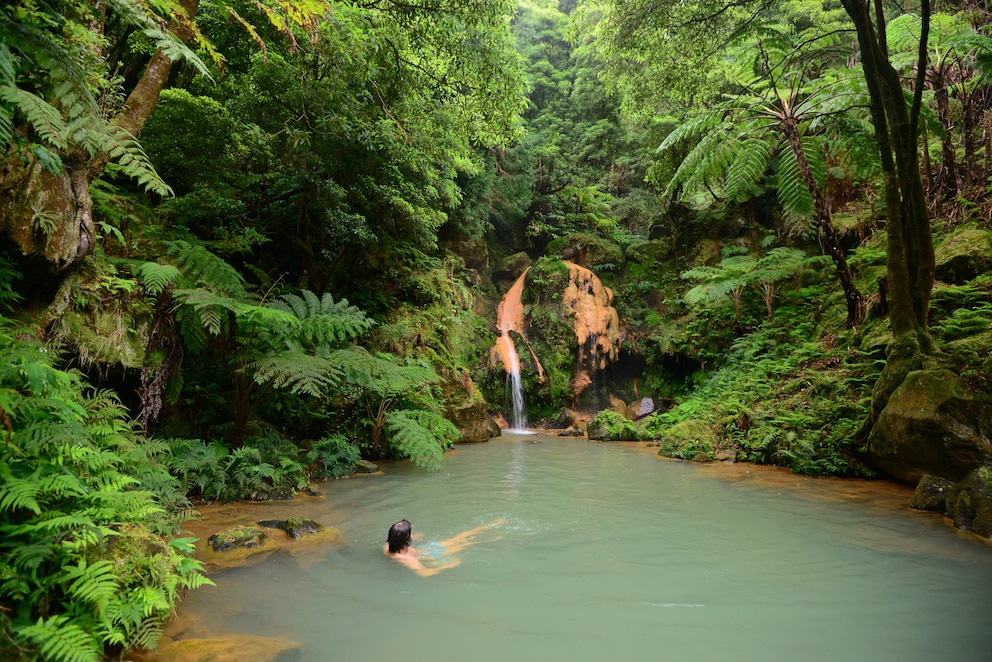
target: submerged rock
931 494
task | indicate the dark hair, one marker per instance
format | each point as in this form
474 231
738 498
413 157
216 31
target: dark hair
399 536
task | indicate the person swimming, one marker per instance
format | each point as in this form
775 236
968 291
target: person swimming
437 555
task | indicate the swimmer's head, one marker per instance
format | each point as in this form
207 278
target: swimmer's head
399 536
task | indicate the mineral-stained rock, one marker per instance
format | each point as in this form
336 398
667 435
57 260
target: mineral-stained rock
931 493
931 424
970 502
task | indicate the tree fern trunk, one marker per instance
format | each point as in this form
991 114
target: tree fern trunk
852 295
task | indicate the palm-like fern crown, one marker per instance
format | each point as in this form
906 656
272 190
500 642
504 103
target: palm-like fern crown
735 147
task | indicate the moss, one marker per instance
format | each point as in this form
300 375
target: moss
689 440
586 250
609 425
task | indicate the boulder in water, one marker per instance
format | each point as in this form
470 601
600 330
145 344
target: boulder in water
970 502
931 424
931 494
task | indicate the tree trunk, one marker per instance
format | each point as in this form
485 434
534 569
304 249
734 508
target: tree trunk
852 295
911 263
947 176
52 215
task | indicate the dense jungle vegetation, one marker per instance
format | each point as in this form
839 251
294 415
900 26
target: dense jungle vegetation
248 243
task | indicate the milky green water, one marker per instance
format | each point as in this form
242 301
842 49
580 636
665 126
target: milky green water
609 553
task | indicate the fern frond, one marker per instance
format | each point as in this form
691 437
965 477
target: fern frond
793 193
701 124
18 493
411 433
747 169
95 583
45 119
61 640
298 371
201 266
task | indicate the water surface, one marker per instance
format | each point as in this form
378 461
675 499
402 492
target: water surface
610 553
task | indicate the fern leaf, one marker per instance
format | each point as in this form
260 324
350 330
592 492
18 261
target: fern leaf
45 119
747 169
412 434
201 266
95 583
18 493
702 123
156 277
298 371
61 640
793 193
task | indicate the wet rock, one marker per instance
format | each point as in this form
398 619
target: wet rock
566 419
237 536
311 490
931 494
572 432
970 502
725 455
689 440
366 467
492 425
298 528
510 267
931 425
619 406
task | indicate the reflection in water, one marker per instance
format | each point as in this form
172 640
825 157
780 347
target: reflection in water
612 553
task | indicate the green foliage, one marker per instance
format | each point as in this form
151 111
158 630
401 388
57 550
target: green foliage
421 435
65 490
332 456
609 425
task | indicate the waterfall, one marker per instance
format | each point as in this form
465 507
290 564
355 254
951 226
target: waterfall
509 317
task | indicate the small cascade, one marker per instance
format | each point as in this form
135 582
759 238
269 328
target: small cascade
510 317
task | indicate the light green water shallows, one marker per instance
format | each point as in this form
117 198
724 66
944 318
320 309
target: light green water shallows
609 553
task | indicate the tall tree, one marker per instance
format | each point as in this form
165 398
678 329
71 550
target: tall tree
911 263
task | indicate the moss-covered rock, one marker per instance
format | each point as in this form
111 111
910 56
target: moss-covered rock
250 536
963 254
689 440
970 502
586 250
609 425
931 494
931 424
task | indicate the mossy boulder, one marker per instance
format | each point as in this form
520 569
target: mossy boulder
467 410
585 250
931 424
609 425
689 440
250 537
931 494
963 255
511 266
970 502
